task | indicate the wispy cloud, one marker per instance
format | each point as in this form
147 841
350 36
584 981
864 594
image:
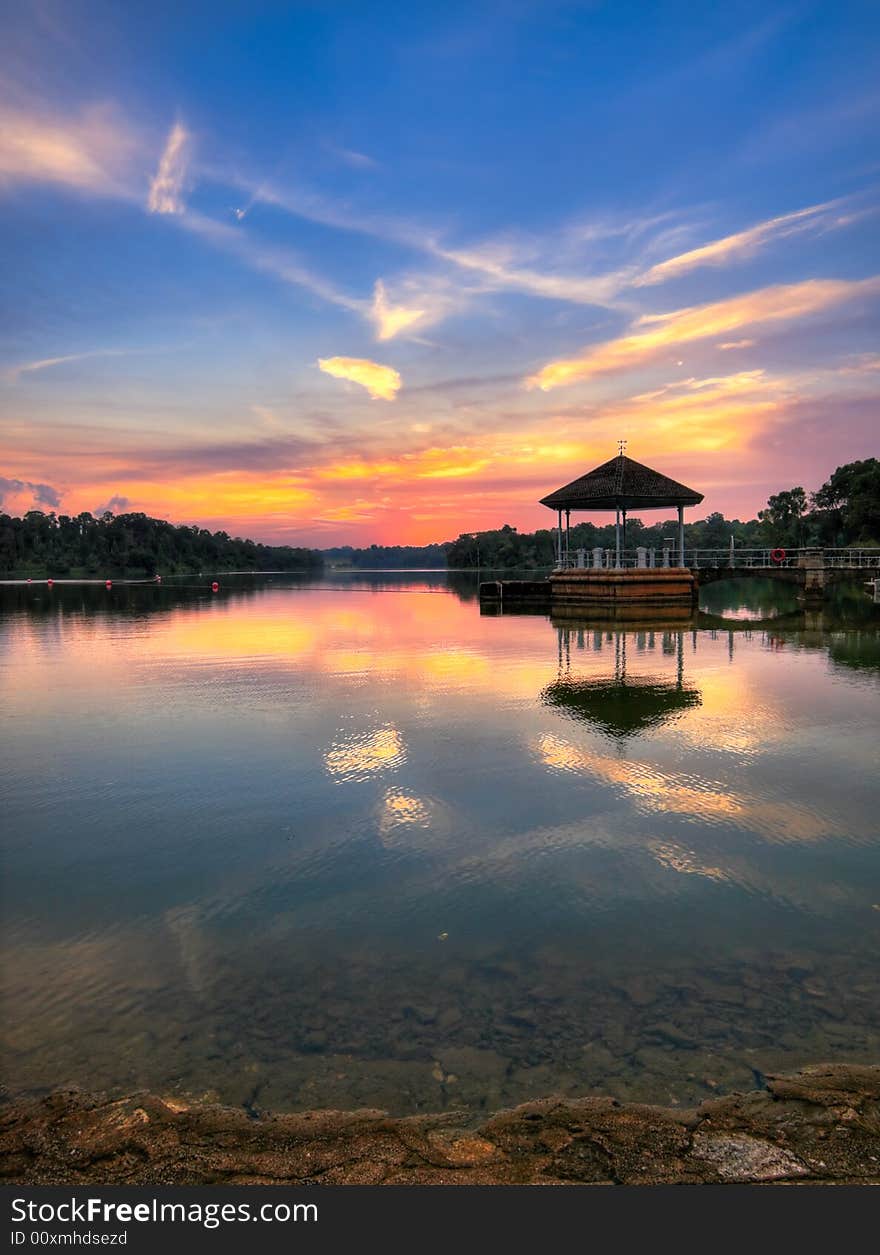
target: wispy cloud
652 334
499 273
91 151
728 345
283 263
735 247
13 373
382 382
166 188
861 364
389 319
351 157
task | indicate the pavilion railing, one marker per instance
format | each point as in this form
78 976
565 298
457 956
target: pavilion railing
770 558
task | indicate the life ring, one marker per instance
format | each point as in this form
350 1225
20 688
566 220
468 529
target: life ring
777 555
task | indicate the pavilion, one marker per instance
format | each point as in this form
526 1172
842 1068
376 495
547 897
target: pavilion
621 485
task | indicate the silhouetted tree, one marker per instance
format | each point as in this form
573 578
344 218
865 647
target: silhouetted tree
133 544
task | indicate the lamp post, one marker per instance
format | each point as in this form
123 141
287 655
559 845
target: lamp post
475 537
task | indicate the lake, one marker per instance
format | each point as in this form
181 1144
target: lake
350 842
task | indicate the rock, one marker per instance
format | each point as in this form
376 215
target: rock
666 1031
424 1014
820 1125
450 1018
522 1017
739 1158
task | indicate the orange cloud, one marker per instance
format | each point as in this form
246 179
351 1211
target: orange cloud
389 319
733 247
656 332
382 382
90 152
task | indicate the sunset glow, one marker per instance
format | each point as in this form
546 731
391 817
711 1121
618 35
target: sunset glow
286 307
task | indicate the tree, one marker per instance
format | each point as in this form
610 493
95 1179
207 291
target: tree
133 544
850 502
783 515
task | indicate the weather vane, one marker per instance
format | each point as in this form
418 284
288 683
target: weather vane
621 448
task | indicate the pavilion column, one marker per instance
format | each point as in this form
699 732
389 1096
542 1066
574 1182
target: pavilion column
617 538
623 536
567 532
559 538
681 535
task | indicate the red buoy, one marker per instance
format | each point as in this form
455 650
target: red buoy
50 583
215 587
777 555
108 583
29 581
158 579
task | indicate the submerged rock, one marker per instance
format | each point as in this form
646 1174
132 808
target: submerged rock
819 1125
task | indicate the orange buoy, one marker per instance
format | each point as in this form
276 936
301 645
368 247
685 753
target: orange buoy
215 587
108 583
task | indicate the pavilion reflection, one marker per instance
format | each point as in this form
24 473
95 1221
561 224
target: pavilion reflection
625 701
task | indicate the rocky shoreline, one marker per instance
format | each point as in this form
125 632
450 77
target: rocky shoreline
820 1125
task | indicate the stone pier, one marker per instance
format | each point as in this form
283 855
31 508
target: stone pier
812 563
648 586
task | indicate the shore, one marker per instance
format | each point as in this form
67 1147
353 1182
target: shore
820 1125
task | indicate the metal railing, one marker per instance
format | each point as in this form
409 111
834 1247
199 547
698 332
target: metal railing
697 559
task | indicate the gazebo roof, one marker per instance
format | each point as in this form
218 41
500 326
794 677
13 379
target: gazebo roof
621 707
621 483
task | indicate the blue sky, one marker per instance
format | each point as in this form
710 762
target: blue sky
327 273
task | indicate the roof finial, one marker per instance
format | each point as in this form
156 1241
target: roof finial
621 448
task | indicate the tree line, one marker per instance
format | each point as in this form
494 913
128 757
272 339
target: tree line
133 545
388 557
844 511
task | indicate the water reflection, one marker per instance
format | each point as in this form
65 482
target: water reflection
350 842
620 705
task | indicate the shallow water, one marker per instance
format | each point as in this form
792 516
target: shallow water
350 842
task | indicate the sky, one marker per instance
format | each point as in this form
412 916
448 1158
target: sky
334 273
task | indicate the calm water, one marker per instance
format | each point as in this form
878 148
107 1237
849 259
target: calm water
354 843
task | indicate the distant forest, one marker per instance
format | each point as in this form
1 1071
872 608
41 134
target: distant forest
844 511
388 557
133 545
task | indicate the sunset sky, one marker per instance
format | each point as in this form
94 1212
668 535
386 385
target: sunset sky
348 273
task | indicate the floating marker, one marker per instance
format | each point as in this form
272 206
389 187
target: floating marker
108 583
215 587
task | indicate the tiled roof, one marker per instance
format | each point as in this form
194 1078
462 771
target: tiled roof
624 483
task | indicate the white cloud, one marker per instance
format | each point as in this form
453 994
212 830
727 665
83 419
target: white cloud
13 373
499 274
740 245
166 189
